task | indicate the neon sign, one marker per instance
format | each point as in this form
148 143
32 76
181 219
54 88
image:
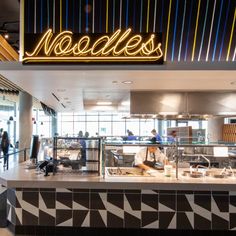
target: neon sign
119 47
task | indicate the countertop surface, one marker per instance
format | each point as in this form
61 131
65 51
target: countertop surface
21 177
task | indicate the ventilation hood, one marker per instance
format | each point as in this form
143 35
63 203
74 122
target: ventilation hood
182 105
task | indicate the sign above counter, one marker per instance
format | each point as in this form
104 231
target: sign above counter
122 46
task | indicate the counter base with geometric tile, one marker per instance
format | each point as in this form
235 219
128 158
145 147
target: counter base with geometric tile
128 209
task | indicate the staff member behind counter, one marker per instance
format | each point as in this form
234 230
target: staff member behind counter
146 158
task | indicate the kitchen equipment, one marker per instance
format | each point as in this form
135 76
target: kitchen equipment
91 143
91 166
193 174
91 155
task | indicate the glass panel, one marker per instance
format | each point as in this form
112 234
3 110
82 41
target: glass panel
67 114
79 126
105 129
44 130
194 124
92 117
118 129
92 128
67 129
133 126
182 124
80 118
146 126
66 118
79 113
118 117
105 118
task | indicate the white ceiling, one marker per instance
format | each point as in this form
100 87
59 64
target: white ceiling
81 87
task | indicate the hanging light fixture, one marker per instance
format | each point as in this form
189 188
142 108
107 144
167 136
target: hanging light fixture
35 122
41 123
11 118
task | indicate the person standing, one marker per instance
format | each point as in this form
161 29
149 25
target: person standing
147 157
86 134
5 143
131 136
83 147
157 136
173 137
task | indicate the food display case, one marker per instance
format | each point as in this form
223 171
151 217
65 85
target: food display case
188 160
77 155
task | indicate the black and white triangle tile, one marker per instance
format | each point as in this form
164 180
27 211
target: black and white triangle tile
203 210
185 220
47 208
150 219
81 201
167 203
64 217
132 210
28 213
81 218
150 202
167 220
185 202
64 200
98 200
98 218
232 210
115 210
220 212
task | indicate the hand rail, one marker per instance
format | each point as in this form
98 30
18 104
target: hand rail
13 153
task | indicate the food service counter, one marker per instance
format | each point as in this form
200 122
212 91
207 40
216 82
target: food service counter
160 202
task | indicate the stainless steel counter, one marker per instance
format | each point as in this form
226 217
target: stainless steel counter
20 177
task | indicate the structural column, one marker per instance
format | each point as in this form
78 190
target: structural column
215 126
54 125
25 122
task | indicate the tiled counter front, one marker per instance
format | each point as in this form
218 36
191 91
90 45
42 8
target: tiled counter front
122 208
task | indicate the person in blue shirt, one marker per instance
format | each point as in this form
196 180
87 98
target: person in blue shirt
157 136
131 136
172 137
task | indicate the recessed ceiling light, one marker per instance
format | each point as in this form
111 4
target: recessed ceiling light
127 82
6 36
104 103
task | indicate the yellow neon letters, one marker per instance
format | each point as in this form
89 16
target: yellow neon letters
120 46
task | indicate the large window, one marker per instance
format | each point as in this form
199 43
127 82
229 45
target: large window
108 124
41 123
146 126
